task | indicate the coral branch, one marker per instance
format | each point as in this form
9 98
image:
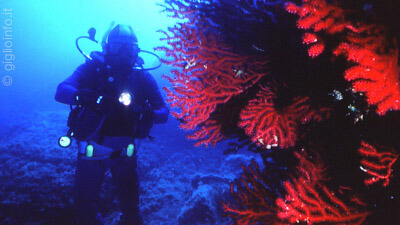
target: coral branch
317 47
309 200
254 202
309 38
378 165
207 73
316 50
210 133
270 127
318 15
377 75
310 168
315 204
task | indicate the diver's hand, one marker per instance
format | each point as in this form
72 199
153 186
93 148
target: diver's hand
143 114
148 114
144 117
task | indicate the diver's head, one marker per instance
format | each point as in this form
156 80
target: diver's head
121 48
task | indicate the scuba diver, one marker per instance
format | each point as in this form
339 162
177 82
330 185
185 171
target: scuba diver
114 102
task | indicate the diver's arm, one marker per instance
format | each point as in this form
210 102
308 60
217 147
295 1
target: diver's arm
67 89
161 115
156 100
65 93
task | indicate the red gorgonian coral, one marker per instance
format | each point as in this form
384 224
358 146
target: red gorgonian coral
254 199
315 204
376 73
272 127
378 165
311 167
376 70
318 16
309 200
207 73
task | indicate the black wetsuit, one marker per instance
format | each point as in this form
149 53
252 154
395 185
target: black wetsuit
120 126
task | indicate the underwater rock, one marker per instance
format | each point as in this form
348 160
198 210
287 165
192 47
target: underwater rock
200 208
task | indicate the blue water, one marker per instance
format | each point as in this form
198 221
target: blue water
43 44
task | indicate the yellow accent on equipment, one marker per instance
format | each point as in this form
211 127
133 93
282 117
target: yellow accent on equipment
130 150
89 150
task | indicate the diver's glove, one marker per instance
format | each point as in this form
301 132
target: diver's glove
144 117
144 114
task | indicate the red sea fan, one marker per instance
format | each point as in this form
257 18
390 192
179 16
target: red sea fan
309 200
378 165
254 199
376 70
272 127
209 73
317 15
315 204
375 73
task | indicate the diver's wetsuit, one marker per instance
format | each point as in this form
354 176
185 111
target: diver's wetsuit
118 130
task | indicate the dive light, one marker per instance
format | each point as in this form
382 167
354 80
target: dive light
125 98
